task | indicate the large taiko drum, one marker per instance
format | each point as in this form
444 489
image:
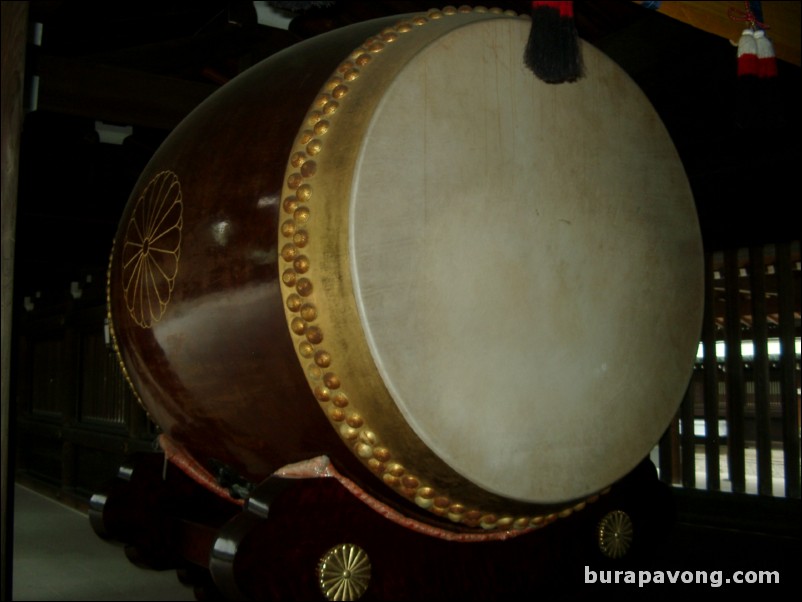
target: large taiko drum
477 293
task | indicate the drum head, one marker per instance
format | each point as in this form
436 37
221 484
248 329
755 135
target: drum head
512 291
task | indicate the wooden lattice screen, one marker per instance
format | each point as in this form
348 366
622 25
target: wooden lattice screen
738 428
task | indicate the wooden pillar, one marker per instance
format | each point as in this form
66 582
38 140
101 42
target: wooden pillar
790 399
688 438
736 387
760 336
710 363
14 19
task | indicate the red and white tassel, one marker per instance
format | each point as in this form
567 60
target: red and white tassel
766 59
747 54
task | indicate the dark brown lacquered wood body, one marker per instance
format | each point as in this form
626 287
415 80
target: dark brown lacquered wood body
194 295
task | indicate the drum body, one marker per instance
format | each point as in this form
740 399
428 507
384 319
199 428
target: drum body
478 294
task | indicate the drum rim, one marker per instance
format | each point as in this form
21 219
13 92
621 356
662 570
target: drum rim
442 491
314 308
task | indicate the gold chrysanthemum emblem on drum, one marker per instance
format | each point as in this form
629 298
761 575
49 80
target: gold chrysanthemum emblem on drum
151 249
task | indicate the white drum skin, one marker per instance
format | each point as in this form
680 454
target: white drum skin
521 276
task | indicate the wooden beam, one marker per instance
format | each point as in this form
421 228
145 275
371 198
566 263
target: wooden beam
115 94
14 18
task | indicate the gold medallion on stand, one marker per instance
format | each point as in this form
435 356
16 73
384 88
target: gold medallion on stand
344 572
615 533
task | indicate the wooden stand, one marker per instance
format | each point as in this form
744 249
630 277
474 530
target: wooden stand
271 548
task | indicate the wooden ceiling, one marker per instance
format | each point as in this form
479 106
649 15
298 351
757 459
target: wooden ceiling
727 19
147 64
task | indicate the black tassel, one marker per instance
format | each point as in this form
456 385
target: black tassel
552 51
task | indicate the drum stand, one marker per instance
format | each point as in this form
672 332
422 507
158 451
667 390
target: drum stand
311 539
